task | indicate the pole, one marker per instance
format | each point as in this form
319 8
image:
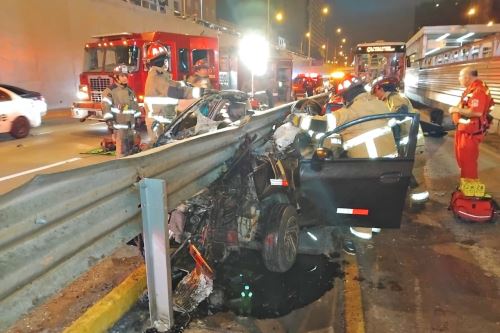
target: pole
326 51
252 85
157 254
201 10
268 18
309 24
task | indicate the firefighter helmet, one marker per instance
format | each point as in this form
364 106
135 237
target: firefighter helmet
386 84
201 63
121 69
158 55
350 87
348 82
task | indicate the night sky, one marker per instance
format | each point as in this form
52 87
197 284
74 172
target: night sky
361 20
370 20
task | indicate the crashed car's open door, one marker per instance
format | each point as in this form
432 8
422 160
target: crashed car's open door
367 192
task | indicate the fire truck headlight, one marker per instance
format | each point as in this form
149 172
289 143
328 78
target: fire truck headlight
83 92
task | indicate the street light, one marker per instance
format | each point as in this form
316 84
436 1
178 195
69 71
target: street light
323 46
279 16
490 23
325 10
339 30
254 53
308 34
343 40
471 11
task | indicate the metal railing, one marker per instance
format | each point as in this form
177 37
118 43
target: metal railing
55 227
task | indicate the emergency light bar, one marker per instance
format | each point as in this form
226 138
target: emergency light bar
114 36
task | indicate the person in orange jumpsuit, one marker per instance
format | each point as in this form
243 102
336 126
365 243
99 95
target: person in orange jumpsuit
470 117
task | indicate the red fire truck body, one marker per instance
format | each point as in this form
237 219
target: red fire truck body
108 51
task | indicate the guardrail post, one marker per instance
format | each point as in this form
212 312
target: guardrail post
156 246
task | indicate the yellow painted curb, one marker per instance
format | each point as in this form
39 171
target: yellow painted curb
354 318
106 312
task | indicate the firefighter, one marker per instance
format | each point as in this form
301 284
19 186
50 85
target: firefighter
200 77
120 109
471 117
386 89
370 139
162 94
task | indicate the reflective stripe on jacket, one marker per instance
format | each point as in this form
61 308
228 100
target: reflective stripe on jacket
368 139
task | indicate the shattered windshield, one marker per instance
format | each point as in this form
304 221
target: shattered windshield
98 59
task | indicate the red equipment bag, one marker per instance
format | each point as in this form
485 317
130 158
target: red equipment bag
472 209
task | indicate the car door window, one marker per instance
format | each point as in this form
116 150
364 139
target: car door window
375 138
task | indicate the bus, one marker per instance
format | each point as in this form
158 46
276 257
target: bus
379 59
433 79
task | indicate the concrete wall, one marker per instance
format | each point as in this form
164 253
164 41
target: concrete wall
42 41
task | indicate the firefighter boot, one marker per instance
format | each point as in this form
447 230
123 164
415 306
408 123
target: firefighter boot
360 232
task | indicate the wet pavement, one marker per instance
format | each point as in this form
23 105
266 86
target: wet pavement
435 274
246 294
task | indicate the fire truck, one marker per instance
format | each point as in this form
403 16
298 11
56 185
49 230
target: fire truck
105 52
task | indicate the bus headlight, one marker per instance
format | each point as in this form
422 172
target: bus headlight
83 92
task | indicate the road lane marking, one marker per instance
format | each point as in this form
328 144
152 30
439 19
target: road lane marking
354 318
42 133
39 169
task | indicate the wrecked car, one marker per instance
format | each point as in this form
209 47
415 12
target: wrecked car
209 113
270 191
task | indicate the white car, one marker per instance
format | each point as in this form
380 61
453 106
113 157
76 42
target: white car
20 110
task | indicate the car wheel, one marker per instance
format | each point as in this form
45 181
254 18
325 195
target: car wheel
20 128
280 245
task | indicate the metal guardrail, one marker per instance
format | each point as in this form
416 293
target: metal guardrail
55 227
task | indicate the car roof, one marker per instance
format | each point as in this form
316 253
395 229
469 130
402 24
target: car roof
14 89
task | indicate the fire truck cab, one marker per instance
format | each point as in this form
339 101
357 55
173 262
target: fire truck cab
103 54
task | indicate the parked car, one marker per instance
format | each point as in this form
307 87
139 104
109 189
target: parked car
20 110
209 113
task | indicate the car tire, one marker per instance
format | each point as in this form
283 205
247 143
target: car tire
280 244
20 128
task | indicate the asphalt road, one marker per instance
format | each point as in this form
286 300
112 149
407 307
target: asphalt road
55 146
436 274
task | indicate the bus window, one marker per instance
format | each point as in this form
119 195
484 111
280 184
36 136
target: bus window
487 50
466 54
183 61
475 52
